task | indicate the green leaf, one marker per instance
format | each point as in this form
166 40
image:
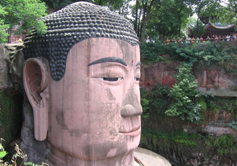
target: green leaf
3 154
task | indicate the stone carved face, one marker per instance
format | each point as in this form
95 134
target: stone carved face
94 110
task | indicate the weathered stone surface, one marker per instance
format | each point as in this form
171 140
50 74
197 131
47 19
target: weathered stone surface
160 73
211 79
36 151
219 130
149 158
17 62
11 63
4 64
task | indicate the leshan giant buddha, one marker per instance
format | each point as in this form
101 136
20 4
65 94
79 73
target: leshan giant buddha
82 81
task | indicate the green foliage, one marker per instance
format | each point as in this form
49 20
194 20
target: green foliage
224 145
203 104
183 144
144 102
155 100
184 92
233 124
58 4
168 143
18 157
225 141
167 18
185 96
158 141
153 18
22 15
227 13
208 8
112 4
159 99
3 153
221 53
199 29
229 105
3 26
152 52
10 113
209 102
6 105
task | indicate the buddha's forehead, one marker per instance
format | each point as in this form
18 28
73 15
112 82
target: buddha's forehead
98 48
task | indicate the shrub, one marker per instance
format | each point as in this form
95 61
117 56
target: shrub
185 96
155 100
18 157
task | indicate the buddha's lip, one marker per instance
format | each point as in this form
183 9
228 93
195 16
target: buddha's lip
134 132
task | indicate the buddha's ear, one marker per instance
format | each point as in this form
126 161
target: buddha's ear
36 81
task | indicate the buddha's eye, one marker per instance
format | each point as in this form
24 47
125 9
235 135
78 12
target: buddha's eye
136 78
111 78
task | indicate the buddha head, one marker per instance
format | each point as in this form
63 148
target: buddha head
82 81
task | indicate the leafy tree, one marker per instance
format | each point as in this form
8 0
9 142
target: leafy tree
209 8
184 11
199 28
228 14
136 14
163 20
21 15
112 4
172 16
168 18
185 96
224 11
3 26
141 13
146 7
58 4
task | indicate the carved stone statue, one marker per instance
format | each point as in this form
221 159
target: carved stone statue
82 81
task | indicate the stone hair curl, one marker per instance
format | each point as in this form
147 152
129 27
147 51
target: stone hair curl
72 24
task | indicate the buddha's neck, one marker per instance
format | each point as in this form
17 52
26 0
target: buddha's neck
57 158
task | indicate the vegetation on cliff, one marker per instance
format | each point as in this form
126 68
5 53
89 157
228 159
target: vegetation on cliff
222 53
184 96
182 148
11 103
172 113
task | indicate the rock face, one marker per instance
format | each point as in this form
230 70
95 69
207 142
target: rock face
214 80
11 64
159 73
11 61
211 79
4 64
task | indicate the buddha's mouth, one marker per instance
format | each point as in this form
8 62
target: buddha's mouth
134 132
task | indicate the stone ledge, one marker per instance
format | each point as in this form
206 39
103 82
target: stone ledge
149 158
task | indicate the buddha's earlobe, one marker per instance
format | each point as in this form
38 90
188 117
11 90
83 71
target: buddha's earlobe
35 79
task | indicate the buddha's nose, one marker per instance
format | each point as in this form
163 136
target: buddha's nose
131 104
129 110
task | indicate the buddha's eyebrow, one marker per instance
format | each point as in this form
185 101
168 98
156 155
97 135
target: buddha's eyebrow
108 59
138 63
